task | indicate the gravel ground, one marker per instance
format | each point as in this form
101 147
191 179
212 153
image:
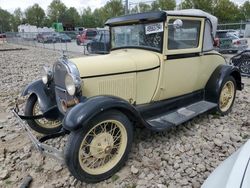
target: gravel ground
181 157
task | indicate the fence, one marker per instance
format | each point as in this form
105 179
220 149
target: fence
80 42
242 28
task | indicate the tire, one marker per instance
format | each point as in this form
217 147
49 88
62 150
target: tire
245 67
78 138
227 95
89 49
37 124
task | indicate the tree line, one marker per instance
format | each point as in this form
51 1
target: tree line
226 11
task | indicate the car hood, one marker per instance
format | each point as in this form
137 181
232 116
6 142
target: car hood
234 172
118 61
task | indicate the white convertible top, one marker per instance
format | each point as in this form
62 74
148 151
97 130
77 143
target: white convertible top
195 13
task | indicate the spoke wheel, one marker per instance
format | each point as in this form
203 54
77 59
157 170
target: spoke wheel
43 125
245 67
43 122
227 95
103 147
100 148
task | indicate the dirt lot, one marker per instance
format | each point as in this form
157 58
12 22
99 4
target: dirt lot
181 157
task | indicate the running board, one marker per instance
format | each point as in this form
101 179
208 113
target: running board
179 116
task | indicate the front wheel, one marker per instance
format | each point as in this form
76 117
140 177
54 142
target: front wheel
42 125
98 150
227 95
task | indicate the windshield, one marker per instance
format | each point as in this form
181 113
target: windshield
138 36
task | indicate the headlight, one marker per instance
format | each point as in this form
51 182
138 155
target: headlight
46 75
72 83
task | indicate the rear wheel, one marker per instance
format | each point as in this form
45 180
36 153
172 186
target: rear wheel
227 95
89 48
98 150
42 125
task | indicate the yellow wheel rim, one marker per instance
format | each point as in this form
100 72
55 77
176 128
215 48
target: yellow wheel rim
103 147
43 122
227 96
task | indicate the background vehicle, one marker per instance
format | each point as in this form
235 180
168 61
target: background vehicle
45 38
86 36
60 37
71 34
228 41
100 44
154 76
233 172
2 35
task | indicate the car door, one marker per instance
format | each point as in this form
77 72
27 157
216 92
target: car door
182 56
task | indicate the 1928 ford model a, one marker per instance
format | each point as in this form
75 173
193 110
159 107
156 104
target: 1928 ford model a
161 71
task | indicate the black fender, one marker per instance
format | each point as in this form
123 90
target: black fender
45 94
82 113
213 86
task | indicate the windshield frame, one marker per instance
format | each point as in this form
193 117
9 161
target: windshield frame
138 47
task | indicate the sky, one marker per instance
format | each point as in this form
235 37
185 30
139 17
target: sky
11 5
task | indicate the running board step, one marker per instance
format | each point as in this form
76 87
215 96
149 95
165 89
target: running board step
174 118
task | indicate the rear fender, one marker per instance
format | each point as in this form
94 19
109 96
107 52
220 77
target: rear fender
213 86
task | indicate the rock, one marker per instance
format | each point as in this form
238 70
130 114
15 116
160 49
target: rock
150 176
4 174
2 134
201 167
3 117
134 170
218 142
11 136
161 186
142 175
58 168
176 166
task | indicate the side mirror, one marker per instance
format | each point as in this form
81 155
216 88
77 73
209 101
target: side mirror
177 24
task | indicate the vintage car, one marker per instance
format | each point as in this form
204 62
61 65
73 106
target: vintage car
161 72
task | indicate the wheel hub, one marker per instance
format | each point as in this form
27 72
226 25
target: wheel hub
101 145
226 97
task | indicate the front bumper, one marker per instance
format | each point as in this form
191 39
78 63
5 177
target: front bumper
44 149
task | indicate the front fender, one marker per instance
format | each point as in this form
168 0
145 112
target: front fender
82 113
45 95
213 86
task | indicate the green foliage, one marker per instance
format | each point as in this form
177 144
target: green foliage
71 17
56 11
35 15
5 21
17 18
166 4
206 5
88 19
225 10
245 10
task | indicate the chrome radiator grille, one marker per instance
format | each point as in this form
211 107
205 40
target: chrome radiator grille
60 70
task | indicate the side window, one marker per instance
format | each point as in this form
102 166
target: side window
184 37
